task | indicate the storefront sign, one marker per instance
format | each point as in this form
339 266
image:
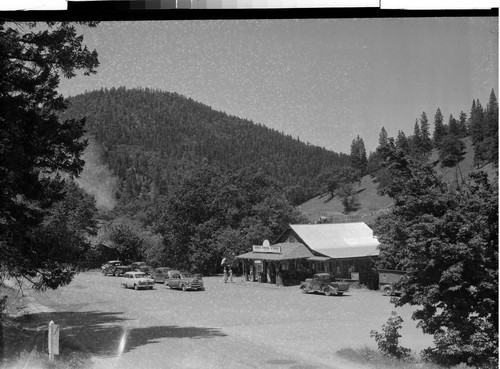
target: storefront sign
268 249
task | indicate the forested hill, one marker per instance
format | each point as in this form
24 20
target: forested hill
149 137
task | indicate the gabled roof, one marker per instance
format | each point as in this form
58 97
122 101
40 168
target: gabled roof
289 251
342 240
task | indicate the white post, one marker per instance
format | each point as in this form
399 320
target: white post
53 340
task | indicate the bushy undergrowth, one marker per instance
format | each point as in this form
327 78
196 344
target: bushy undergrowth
39 360
376 360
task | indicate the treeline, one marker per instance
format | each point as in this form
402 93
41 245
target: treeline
481 125
150 138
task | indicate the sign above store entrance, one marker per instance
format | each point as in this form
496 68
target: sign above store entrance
268 249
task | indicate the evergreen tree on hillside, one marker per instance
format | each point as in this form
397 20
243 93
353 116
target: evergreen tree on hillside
402 142
491 127
424 132
462 125
476 122
358 155
417 142
382 137
439 128
483 126
453 126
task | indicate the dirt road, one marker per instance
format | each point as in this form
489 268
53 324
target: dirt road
238 325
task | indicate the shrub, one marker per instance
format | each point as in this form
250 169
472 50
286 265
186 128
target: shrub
388 340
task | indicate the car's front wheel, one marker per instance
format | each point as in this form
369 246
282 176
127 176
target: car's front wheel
184 288
136 287
328 292
303 290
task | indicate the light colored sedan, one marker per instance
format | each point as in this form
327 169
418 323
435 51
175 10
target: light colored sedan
137 280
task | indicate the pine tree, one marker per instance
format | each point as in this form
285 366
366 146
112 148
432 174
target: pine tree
462 124
382 137
424 132
417 144
439 128
453 126
358 155
402 142
476 119
477 130
491 127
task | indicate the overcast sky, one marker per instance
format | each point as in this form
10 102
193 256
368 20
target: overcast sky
322 80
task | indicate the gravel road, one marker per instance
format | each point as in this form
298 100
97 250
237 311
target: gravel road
229 325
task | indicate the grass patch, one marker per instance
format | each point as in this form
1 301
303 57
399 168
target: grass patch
27 348
374 359
23 344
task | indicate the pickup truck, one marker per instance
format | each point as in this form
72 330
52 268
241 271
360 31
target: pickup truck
324 283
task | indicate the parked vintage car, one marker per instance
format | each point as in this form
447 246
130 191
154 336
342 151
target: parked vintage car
170 273
121 270
140 266
161 274
390 281
109 267
324 283
137 280
186 281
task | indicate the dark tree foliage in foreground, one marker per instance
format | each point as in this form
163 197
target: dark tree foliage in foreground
127 242
214 215
37 150
446 238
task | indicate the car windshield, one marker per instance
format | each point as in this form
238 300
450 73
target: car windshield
186 275
139 275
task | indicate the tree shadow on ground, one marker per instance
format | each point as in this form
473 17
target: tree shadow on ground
95 332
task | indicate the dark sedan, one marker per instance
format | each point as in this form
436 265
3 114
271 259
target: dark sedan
186 281
160 275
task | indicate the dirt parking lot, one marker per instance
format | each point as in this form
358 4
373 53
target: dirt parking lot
229 325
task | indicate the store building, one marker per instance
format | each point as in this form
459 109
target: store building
282 263
348 250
